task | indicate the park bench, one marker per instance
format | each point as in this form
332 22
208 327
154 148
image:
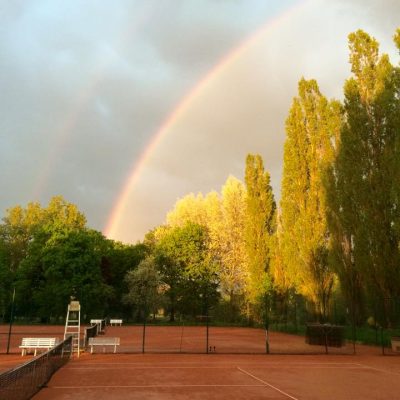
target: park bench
116 322
37 343
100 324
104 341
395 343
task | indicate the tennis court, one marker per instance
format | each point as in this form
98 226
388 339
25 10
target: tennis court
174 366
215 376
188 339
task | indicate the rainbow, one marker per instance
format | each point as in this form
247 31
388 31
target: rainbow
117 211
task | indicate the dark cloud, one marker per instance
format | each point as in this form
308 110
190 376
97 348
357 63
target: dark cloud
86 84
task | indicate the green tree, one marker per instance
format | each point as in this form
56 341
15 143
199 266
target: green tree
312 126
117 260
260 226
20 226
145 290
187 269
62 262
364 181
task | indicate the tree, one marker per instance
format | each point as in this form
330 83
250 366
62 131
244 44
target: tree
6 278
62 262
231 241
19 228
144 287
188 269
311 128
117 260
188 209
364 180
260 225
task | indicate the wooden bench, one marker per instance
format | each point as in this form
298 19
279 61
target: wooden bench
116 322
104 341
37 343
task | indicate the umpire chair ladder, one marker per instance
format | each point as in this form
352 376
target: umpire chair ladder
73 325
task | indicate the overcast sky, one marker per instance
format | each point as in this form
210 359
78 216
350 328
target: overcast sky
86 86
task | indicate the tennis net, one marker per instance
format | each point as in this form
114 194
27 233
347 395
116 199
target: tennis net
22 382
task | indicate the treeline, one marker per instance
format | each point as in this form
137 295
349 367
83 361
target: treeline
335 236
333 239
49 254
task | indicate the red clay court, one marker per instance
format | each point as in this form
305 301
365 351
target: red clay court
223 377
223 374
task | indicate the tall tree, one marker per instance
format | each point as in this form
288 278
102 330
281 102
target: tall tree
260 226
311 128
231 243
365 178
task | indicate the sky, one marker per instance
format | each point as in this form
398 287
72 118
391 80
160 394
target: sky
124 106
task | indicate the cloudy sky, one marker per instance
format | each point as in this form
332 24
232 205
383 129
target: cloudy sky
124 106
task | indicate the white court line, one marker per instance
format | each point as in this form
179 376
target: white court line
379 369
146 386
222 363
267 384
221 367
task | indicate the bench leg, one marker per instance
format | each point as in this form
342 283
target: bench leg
91 349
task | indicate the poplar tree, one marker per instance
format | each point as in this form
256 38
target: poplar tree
260 226
231 242
311 128
365 179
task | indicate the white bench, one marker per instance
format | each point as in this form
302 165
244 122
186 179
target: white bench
104 341
100 324
395 343
37 343
116 322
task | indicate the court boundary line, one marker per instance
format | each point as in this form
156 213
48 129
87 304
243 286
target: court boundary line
267 384
221 367
364 366
148 386
222 363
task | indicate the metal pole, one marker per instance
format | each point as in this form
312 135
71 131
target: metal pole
207 333
144 329
11 321
266 325
206 303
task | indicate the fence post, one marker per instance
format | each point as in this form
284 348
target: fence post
144 327
11 322
266 324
